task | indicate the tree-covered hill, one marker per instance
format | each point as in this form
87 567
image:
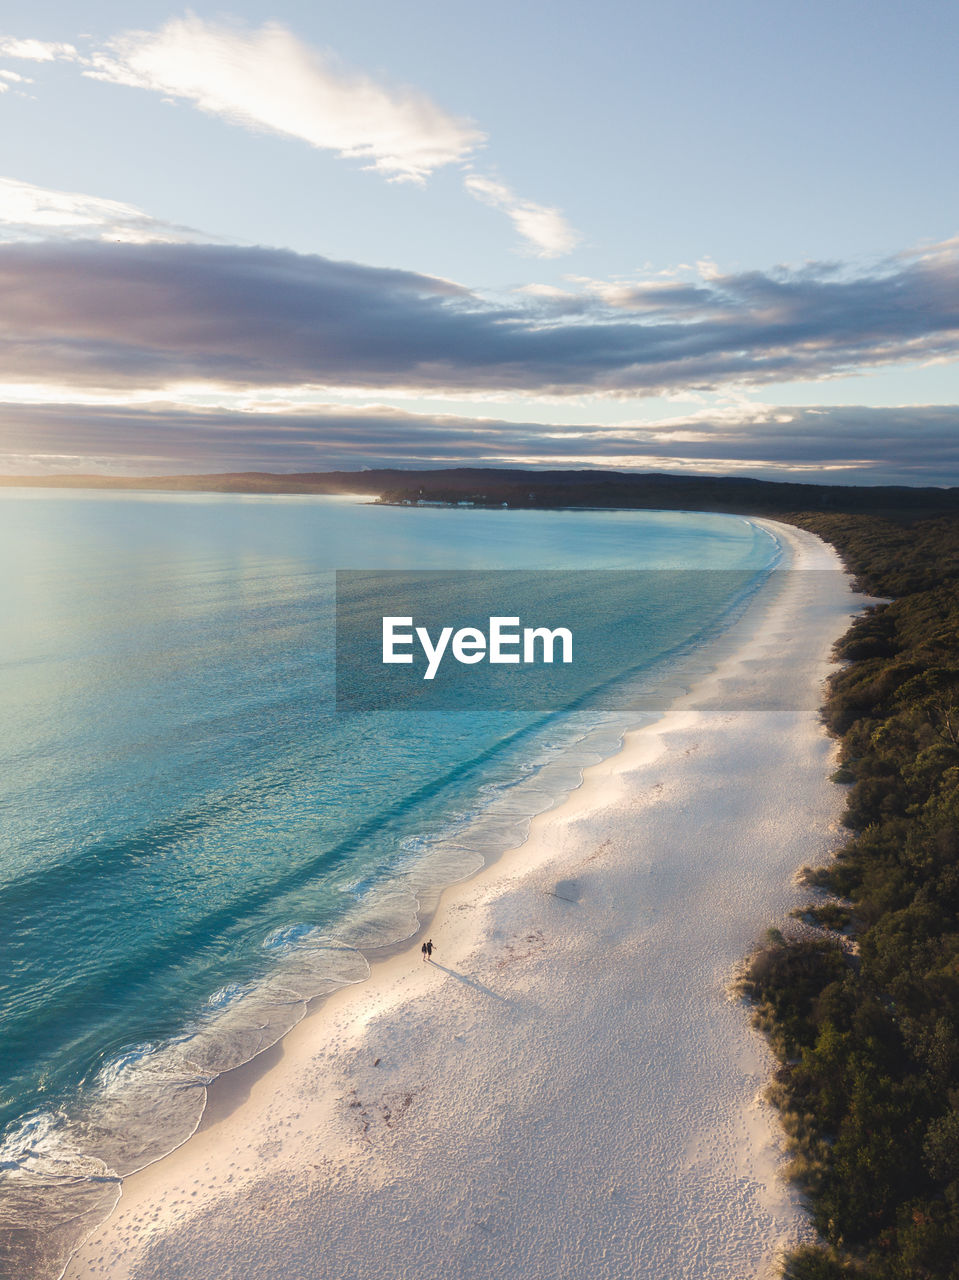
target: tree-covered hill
489 486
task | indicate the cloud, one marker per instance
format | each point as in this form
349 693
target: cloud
147 316
267 79
543 227
37 50
839 445
28 211
676 298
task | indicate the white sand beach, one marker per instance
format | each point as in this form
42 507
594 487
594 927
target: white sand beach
568 1090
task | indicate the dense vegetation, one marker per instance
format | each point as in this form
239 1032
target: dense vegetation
866 1025
500 486
649 490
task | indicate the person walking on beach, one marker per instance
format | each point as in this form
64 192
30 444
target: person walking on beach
428 948
423 948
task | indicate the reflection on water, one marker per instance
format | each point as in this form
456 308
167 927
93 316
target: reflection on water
195 842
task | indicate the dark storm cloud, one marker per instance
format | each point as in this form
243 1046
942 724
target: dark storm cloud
144 315
866 445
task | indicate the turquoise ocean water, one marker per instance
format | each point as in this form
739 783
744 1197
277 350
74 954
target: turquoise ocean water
194 843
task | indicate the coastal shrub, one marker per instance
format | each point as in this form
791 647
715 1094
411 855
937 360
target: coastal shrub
813 1262
829 915
868 1089
784 980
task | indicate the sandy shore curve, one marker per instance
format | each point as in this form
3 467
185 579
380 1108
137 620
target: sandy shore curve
568 1089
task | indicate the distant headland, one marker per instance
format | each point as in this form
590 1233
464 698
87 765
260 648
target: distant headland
495 487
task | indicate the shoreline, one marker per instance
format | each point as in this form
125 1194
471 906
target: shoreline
168 1211
74 1202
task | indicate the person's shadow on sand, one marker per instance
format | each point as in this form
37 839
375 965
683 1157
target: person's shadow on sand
471 982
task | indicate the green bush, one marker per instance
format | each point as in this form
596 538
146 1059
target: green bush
868 1089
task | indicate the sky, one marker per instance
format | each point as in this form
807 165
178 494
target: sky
714 239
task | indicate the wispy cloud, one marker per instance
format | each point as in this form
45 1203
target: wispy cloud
853 444
267 79
150 315
37 50
542 227
676 297
28 211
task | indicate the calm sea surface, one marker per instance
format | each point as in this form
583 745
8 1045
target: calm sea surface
193 842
